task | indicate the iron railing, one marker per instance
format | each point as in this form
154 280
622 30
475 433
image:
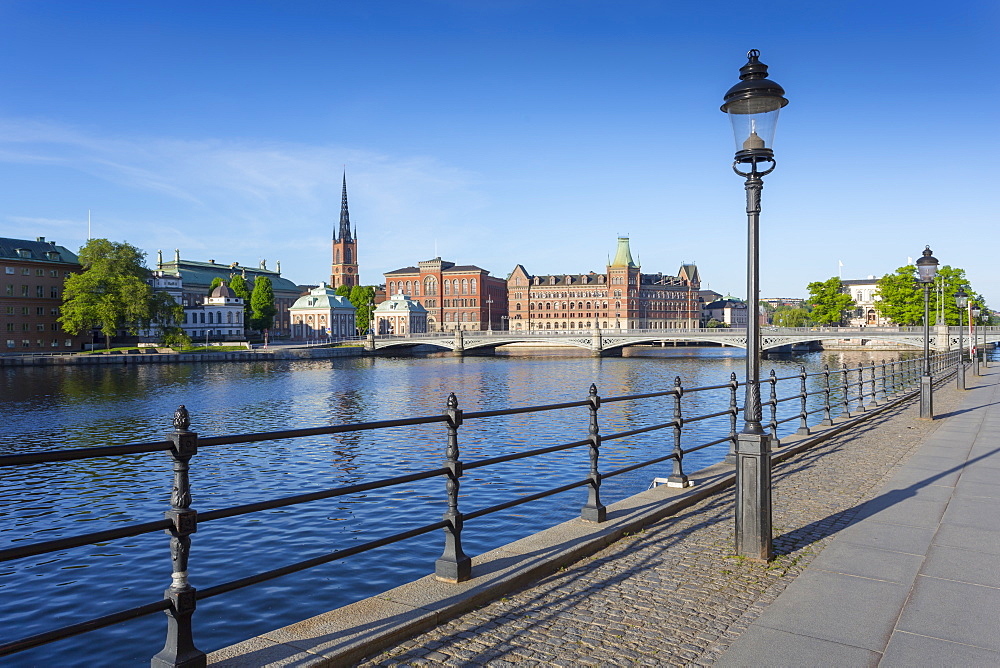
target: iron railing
842 392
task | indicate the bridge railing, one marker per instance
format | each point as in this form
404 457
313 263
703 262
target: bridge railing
810 399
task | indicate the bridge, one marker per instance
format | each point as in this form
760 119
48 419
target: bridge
603 342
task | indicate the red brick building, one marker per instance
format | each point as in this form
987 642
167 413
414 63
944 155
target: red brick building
344 267
32 274
455 296
621 298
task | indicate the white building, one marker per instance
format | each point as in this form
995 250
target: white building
730 312
864 293
322 314
400 315
219 316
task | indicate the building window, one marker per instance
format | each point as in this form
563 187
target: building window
69 343
54 273
10 270
39 272
54 293
24 290
9 290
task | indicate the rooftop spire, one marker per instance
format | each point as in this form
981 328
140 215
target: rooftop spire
345 218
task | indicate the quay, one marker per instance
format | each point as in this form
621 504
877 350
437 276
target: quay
886 541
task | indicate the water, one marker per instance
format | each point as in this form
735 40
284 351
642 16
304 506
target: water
64 407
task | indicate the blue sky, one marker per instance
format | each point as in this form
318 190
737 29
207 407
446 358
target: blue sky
503 132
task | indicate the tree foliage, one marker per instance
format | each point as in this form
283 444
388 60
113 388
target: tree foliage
362 297
262 309
216 282
787 316
165 314
239 286
901 298
343 291
829 301
110 293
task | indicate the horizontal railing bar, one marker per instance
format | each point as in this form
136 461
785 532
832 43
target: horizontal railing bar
641 430
318 431
521 455
781 378
315 561
82 627
788 419
649 395
707 445
45 547
83 453
792 398
316 496
707 387
525 409
524 499
640 465
728 411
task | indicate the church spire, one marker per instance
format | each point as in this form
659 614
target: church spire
345 217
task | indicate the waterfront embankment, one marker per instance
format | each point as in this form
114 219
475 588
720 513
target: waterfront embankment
275 353
653 585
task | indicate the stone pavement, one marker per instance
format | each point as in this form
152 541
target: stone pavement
894 498
915 580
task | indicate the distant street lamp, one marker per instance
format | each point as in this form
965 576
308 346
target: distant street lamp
926 271
961 301
974 322
489 312
986 318
505 322
207 332
752 106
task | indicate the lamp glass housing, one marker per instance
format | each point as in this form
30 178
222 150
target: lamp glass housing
754 121
927 266
961 298
975 311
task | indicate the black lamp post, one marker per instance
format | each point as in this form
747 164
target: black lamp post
974 321
961 301
752 106
986 318
926 271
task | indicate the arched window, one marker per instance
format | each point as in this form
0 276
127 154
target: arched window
430 286
218 317
548 306
337 260
618 304
548 325
229 318
531 307
409 287
588 306
416 288
473 286
347 255
447 287
210 317
465 286
517 306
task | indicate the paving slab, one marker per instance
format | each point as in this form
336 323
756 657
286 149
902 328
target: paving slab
908 649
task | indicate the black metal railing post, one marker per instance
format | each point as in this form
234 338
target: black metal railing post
594 511
179 650
677 478
873 399
861 387
827 417
453 565
847 394
734 412
773 400
803 429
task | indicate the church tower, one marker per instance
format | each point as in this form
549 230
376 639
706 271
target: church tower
345 248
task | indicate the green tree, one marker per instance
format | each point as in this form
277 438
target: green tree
791 317
239 286
829 301
901 298
716 324
216 282
262 309
111 291
164 313
343 291
362 297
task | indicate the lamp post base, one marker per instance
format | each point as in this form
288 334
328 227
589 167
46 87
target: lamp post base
927 397
961 373
753 496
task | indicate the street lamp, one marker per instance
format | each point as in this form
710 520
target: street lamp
961 301
752 106
974 323
926 271
489 312
986 318
505 322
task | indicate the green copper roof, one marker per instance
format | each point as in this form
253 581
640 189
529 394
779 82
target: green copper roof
623 256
